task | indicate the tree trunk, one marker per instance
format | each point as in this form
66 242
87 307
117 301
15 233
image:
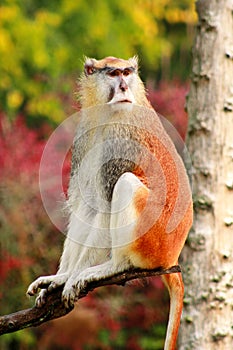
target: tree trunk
208 256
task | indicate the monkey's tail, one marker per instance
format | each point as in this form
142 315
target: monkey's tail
175 286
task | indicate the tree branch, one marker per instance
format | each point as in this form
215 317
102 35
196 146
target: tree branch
54 307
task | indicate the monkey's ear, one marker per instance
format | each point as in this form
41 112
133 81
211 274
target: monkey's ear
134 62
89 66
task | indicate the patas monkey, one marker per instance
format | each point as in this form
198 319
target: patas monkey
129 196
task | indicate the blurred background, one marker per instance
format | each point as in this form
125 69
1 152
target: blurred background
42 47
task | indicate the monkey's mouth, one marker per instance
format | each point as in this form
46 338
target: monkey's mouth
125 101
121 101
122 98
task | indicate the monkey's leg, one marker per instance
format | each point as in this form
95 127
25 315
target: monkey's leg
94 250
48 283
89 256
175 287
124 218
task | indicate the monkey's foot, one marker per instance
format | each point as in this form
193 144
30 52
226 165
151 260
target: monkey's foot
69 295
47 284
78 281
41 299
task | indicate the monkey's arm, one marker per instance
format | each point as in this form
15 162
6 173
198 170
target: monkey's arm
53 308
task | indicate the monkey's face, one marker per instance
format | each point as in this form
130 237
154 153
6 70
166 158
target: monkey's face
120 82
111 80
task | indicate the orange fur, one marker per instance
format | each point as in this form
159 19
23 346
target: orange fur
111 62
140 200
157 247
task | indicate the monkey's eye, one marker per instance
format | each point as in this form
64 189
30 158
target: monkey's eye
126 72
114 73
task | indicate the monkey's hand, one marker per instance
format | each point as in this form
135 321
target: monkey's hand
47 284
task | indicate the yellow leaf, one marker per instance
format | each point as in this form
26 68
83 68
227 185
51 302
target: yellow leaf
14 99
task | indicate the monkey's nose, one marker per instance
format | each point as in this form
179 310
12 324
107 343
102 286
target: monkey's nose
123 86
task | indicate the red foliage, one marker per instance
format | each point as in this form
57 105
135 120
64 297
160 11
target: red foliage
21 209
169 101
8 263
21 149
66 172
